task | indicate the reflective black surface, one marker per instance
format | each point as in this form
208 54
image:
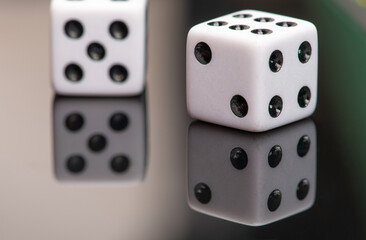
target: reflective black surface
255 192
141 184
339 211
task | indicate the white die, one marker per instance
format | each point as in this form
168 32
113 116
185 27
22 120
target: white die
222 184
99 47
232 79
121 123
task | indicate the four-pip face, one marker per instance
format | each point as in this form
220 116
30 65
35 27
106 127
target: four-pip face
249 70
252 70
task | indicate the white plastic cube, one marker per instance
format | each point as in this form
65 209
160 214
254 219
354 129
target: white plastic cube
235 74
227 184
99 47
117 155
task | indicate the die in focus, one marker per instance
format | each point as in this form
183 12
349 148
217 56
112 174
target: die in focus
252 70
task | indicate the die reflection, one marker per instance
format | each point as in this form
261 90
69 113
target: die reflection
248 178
100 140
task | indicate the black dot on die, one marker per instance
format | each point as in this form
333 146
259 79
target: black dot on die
274 200
302 189
97 143
243 15
202 193
304 96
264 19
239 106
74 122
304 52
120 164
275 106
303 146
203 53
275 156
118 30
276 61
239 158
119 121
217 23
75 164
286 24
96 51
262 31
73 72
74 29
118 73
239 27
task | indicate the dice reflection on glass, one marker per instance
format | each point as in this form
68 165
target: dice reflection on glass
99 47
100 140
252 70
252 179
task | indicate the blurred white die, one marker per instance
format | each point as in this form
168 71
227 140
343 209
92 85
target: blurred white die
252 70
99 47
252 179
100 141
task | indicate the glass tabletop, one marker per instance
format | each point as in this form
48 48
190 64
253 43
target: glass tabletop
141 168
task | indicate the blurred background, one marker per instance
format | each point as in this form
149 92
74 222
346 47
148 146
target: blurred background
35 205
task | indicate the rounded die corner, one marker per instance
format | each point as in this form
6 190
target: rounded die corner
136 92
191 111
62 92
257 129
196 30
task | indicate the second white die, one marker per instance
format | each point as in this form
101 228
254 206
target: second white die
252 70
99 47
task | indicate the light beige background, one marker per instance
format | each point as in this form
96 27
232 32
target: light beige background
33 205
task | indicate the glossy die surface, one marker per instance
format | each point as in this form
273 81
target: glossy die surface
252 179
252 70
99 47
100 141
